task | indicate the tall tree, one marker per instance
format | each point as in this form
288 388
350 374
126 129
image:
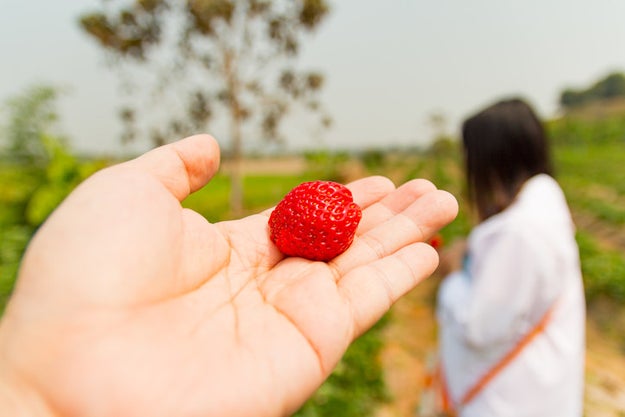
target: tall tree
236 57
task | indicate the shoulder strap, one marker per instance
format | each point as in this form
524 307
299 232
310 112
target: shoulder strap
509 357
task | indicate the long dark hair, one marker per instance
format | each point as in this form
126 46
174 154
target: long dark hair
504 145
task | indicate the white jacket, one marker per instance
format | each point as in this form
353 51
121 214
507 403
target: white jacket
519 263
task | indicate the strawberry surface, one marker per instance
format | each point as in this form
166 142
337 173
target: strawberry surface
316 220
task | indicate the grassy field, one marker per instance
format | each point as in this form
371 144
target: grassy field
591 174
593 179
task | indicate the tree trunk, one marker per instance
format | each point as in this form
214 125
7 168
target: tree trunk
236 174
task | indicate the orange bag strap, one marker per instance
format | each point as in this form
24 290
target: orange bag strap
447 404
481 383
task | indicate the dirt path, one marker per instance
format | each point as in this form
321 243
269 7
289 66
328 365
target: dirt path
605 375
411 336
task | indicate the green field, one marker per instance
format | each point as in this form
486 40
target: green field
591 173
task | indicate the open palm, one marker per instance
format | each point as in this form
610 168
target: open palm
129 305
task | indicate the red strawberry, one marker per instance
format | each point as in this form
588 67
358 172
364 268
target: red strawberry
436 242
316 220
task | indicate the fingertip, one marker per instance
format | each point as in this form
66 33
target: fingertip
432 211
430 257
381 181
201 157
419 186
448 204
367 191
184 166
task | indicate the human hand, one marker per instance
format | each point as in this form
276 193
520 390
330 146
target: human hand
129 305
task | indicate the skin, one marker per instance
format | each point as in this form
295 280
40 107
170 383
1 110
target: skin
129 305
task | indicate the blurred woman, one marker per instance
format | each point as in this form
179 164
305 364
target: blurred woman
511 310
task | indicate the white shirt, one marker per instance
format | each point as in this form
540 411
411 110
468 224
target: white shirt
519 263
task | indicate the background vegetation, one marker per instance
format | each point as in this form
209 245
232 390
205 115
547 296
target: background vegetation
37 170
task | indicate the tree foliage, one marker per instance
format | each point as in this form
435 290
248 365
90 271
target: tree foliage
234 58
609 87
29 116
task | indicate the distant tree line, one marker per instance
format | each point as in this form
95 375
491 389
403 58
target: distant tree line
610 87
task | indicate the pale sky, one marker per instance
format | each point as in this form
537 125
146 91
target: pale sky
388 64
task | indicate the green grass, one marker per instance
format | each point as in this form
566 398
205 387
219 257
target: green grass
212 200
603 269
592 174
259 193
264 191
592 163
